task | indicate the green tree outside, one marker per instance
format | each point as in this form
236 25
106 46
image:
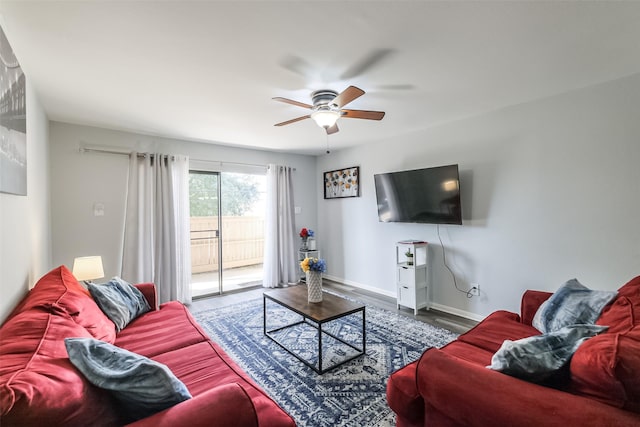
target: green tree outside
239 192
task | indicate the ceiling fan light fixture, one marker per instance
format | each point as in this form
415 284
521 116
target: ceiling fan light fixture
325 118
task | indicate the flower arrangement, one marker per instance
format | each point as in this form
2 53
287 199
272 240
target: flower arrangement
305 233
313 264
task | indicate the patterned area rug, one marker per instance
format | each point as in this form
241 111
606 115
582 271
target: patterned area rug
350 395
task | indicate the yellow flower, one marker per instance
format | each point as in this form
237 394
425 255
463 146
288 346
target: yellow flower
304 265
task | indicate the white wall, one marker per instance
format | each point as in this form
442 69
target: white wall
551 191
25 239
79 180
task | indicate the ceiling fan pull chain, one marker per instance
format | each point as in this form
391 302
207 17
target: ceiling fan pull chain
328 152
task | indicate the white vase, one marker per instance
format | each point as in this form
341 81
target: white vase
311 244
314 286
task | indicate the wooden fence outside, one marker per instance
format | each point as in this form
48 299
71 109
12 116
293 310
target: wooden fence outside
242 243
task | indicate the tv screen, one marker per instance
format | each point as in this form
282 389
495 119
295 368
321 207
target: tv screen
430 195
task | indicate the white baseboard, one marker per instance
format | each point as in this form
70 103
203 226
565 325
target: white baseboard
457 312
392 294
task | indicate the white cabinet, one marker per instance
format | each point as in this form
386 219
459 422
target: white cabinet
306 253
412 274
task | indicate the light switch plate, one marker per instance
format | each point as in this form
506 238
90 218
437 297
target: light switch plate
98 209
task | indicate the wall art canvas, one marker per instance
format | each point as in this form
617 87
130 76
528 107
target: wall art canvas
342 183
13 122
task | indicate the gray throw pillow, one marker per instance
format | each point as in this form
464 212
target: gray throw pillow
572 304
540 357
141 385
120 301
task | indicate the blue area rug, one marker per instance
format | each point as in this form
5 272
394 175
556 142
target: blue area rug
350 395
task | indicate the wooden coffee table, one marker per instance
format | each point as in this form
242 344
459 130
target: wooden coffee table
316 315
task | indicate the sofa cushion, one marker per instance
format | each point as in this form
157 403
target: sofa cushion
606 368
120 301
540 358
38 384
624 313
572 304
141 386
495 328
205 365
619 316
468 352
166 329
60 287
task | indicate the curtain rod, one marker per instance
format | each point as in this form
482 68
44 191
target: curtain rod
128 152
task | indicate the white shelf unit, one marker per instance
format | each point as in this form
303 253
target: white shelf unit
412 280
306 253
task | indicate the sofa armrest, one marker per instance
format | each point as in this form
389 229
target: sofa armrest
472 395
225 405
531 301
149 292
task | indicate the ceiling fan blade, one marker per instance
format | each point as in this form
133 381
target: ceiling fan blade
292 102
295 64
288 122
332 129
347 95
366 63
363 114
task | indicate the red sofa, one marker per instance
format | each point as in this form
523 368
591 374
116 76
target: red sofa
39 385
451 386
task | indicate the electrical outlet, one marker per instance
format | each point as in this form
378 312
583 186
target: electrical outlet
475 289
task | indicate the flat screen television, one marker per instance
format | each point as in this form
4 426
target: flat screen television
430 195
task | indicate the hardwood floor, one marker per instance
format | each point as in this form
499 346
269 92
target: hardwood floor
437 318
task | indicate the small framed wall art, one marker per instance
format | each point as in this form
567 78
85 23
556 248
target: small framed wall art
342 183
13 122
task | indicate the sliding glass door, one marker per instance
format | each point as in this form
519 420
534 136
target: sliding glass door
227 231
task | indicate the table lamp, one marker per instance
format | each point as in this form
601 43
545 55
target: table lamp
87 268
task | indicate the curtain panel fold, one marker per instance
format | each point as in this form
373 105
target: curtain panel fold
280 258
156 236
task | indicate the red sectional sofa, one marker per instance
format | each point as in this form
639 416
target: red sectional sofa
39 385
451 386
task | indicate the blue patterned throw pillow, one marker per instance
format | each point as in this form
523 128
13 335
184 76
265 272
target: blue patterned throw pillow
572 304
540 357
141 386
120 301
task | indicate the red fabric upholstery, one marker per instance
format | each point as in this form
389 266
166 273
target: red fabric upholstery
472 395
161 331
607 367
60 287
531 301
458 390
497 327
403 396
39 385
618 316
149 292
36 373
205 365
212 408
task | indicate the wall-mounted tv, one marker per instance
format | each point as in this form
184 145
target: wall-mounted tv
430 195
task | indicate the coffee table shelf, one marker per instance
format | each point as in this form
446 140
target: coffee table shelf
315 315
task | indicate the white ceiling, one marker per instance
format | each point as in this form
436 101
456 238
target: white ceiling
207 71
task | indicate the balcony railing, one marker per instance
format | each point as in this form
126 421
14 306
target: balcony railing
242 243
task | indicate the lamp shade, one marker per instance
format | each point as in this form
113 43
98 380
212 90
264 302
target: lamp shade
88 268
325 118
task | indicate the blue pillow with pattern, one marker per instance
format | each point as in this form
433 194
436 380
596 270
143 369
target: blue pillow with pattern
142 386
120 301
572 304
539 358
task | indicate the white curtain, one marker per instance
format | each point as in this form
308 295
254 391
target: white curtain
156 235
280 265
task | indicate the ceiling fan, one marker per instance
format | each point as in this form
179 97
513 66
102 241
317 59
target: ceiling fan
327 108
